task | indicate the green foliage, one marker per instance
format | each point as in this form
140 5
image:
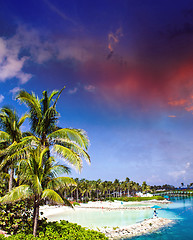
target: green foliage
63 230
17 217
4 178
137 199
76 204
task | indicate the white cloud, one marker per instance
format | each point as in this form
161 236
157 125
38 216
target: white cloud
90 88
1 98
72 91
177 174
10 63
15 90
29 44
188 165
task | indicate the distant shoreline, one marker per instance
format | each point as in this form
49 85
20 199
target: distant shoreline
119 205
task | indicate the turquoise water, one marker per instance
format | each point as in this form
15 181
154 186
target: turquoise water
113 218
182 210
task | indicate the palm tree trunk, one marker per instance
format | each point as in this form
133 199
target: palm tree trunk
11 179
35 217
128 192
97 195
77 194
65 194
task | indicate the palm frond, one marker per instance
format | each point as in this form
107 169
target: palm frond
61 182
22 119
58 97
36 184
5 136
76 135
49 120
53 93
34 105
42 155
75 148
60 169
18 193
70 156
52 195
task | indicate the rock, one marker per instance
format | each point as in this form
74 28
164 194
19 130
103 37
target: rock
148 225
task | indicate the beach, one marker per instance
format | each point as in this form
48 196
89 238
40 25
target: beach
145 226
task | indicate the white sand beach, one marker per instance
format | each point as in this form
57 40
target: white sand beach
144 227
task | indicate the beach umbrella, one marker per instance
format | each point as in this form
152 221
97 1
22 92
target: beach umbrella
156 206
166 196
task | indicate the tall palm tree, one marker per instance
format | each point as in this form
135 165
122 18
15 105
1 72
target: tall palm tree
69 143
97 186
127 180
116 185
11 126
40 181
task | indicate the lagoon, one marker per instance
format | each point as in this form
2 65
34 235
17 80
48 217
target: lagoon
111 218
182 210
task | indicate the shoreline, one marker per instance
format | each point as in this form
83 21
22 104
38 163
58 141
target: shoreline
120 205
145 227
117 205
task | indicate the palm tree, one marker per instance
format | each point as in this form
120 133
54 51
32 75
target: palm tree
10 124
97 185
127 180
77 188
70 144
116 185
40 181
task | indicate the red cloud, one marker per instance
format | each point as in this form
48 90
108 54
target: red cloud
181 102
142 84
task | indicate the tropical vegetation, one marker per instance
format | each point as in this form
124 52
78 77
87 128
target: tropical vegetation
62 230
29 158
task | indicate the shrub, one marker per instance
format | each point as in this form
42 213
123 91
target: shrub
138 199
17 217
60 231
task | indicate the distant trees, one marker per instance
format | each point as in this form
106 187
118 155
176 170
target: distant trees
101 190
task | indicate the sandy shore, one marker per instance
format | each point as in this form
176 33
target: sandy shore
144 227
117 205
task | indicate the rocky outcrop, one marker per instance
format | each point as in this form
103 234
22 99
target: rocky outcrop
144 227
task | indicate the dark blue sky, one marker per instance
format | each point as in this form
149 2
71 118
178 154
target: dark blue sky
128 71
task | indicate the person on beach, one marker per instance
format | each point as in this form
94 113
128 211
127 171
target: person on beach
154 214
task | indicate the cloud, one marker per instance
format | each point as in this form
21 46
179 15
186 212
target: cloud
90 88
29 44
177 174
14 91
10 63
172 116
1 98
187 165
180 102
73 91
113 38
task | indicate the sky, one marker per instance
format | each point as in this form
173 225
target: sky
128 70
